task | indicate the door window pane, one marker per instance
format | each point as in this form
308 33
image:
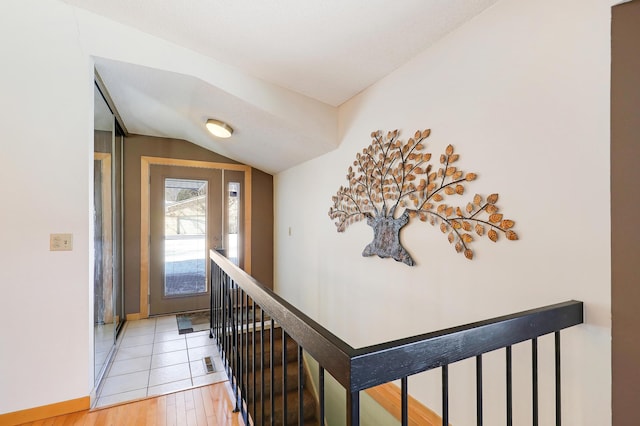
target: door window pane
185 246
233 214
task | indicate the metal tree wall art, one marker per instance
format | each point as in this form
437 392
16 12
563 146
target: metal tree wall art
391 182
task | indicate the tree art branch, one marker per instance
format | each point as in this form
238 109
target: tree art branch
387 170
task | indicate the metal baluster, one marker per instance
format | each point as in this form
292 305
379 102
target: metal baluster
534 374
445 395
300 387
234 343
404 390
558 377
353 408
218 306
321 392
245 336
253 361
479 390
240 349
271 364
262 365
225 325
509 388
228 354
284 375
212 299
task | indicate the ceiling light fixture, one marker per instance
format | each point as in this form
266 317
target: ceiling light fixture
219 128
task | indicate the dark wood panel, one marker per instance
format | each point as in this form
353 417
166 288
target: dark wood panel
625 200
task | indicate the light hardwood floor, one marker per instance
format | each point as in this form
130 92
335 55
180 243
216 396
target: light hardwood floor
208 405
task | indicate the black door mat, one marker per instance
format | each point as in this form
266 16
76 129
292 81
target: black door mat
193 321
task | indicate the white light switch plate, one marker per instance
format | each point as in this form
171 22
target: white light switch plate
61 242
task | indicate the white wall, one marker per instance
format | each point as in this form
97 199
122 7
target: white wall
522 92
46 117
46 171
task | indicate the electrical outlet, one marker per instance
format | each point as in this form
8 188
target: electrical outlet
61 242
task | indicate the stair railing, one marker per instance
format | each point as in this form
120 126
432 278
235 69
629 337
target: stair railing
243 312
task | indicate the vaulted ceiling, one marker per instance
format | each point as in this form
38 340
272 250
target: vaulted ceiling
326 51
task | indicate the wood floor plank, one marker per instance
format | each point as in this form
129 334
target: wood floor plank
73 419
207 401
92 417
189 407
161 412
198 402
210 405
152 411
181 410
172 414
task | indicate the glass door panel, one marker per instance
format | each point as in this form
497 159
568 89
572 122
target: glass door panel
185 245
103 209
185 223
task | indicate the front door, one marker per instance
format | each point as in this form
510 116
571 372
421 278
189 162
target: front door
186 221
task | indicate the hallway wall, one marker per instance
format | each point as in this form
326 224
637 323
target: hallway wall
46 298
46 345
522 92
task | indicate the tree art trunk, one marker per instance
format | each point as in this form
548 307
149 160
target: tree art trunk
386 238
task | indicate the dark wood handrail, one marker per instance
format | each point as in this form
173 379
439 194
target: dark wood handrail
359 369
328 349
374 365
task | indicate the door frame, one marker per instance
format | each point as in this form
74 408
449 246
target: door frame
145 173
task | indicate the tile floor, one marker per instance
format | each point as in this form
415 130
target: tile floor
153 359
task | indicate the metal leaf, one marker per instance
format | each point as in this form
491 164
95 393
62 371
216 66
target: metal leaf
471 176
493 235
511 235
506 224
449 150
468 254
492 199
495 218
479 229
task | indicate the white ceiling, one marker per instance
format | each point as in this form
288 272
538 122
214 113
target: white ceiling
328 50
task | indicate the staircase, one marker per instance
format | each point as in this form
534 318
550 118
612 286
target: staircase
264 399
